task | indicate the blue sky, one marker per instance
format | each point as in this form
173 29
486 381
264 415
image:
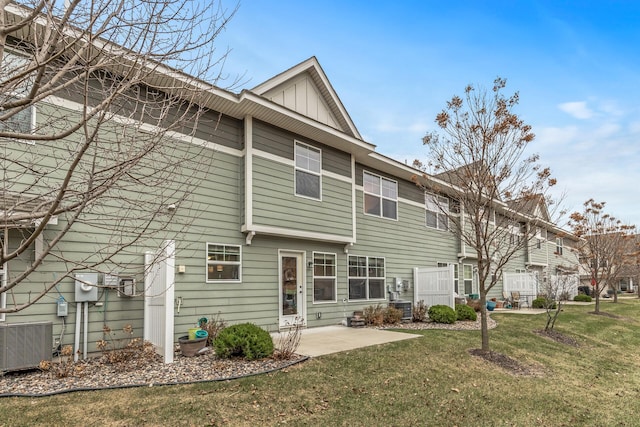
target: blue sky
394 64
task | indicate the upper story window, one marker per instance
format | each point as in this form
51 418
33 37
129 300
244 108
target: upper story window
308 161
380 196
515 234
23 118
437 211
559 245
324 277
538 237
224 263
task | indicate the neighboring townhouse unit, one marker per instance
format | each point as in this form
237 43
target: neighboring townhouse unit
296 220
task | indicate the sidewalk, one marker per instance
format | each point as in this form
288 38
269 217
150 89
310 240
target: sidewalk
334 339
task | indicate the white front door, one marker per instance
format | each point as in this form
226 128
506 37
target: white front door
292 289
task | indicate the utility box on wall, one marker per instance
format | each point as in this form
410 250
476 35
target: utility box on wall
86 287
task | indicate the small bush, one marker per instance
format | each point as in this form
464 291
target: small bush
545 303
582 298
244 340
464 312
442 314
392 315
420 311
373 315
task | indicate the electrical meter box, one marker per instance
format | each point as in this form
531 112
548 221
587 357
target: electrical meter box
86 287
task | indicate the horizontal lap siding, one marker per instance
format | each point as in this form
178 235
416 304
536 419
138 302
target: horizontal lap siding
405 244
275 204
211 213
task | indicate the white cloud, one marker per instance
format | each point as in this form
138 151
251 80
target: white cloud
577 109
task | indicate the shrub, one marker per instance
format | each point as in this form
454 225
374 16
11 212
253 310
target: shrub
542 302
244 340
582 298
392 315
373 315
442 314
116 349
419 311
464 312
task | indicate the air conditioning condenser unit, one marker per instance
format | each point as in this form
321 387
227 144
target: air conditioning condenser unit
24 345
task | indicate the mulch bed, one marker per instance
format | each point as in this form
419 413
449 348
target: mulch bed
558 337
507 363
96 374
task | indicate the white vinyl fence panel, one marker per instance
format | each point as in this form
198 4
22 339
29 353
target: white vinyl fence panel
159 279
434 286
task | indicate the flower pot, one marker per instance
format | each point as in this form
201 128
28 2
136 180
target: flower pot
189 347
491 305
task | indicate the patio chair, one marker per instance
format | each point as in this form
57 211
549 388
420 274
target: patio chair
516 300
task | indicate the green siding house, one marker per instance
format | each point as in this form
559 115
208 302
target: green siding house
291 218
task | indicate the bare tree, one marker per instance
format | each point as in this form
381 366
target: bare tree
555 293
604 248
480 155
95 97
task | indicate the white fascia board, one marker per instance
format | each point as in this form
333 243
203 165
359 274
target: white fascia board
250 97
297 234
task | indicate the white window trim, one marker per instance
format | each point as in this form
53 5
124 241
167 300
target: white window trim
32 125
384 279
365 192
439 200
473 284
334 277
559 246
207 263
297 168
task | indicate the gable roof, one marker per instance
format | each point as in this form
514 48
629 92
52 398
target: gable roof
305 88
534 206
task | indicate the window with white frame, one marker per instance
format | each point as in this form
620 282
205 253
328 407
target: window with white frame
224 263
22 121
559 245
467 278
515 234
366 277
437 208
324 277
380 196
538 237
308 170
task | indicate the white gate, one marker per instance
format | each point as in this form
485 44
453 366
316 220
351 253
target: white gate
564 285
434 286
159 276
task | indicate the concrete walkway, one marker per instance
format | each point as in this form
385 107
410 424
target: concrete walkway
334 339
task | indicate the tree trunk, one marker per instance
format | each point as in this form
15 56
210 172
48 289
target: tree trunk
484 325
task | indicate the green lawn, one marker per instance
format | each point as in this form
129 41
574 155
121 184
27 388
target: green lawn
430 381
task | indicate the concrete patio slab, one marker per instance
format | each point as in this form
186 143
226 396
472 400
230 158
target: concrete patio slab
334 339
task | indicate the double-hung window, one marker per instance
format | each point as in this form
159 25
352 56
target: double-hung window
21 119
224 263
559 245
380 196
437 208
308 166
366 278
324 277
467 277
